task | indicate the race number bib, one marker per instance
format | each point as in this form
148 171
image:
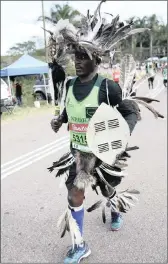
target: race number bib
78 136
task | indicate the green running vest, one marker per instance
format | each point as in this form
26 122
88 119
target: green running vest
79 114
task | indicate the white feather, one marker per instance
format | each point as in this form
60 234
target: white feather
125 200
61 219
62 24
64 178
91 35
74 230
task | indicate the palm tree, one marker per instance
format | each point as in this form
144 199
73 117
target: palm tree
65 12
153 24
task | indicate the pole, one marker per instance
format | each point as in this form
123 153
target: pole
45 88
44 30
9 84
51 87
151 44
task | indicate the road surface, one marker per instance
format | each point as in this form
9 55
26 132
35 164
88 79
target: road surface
32 200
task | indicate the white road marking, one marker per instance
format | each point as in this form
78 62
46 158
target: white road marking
34 151
3 176
55 146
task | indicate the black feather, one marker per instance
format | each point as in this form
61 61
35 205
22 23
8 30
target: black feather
63 160
122 207
145 99
64 230
126 205
104 215
95 189
133 191
94 206
62 171
132 148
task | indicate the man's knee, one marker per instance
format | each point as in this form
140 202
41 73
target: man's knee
75 197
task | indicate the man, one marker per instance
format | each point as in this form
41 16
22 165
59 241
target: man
89 89
150 70
18 93
164 72
86 95
116 74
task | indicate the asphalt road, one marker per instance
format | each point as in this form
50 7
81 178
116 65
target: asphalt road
32 200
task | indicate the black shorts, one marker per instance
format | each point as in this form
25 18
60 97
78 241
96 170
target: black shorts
151 79
112 180
165 82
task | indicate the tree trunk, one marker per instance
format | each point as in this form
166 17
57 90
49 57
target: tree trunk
141 47
132 45
151 44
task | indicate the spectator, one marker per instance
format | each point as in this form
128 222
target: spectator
18 92
164 72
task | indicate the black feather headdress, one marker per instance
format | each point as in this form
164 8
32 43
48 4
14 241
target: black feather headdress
95 35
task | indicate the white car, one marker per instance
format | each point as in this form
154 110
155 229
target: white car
6 98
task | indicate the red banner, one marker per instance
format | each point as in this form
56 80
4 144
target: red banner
78 127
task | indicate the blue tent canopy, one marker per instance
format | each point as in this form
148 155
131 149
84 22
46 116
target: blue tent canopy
25 65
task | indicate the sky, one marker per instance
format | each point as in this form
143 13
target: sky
19 18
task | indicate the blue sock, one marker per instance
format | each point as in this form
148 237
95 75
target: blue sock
78 215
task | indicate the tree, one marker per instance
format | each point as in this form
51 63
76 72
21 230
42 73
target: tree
21 48
65 12
157 37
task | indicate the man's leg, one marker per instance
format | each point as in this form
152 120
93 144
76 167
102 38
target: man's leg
152 80
165 83
116 218
149 83
75 202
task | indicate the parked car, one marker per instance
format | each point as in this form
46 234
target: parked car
7 101
39 91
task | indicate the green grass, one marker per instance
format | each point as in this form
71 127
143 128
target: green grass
23 112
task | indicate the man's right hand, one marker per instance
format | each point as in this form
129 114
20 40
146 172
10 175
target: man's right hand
56 123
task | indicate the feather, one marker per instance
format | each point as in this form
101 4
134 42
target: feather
104 214
127 72
63 179
66 226
61 219
120 164
102 178
150 108
61 162
124 200
94 206
50 32
113 173
61 172
131 197
132 148
97 11
64 231
74 230
145 99
108 14
132 191
125 35
121 206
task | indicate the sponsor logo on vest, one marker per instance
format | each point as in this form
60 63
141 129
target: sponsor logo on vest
78 127
78 119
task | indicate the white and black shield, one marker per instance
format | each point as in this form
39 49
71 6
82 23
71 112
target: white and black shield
107 133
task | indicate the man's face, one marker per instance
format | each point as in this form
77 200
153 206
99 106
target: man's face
83 64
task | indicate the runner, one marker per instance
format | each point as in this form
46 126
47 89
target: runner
164 72
98 113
